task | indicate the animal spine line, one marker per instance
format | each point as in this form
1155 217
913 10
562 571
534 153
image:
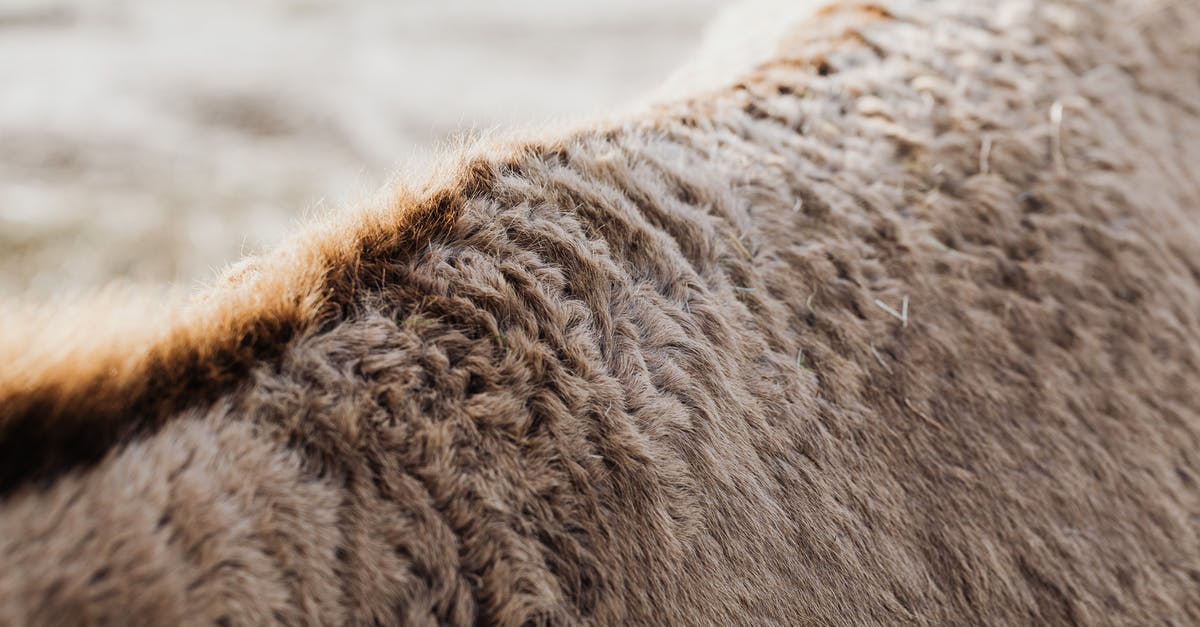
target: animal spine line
900 326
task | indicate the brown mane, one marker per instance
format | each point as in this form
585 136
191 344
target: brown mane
899 326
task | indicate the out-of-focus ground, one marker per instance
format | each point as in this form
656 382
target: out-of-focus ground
155 141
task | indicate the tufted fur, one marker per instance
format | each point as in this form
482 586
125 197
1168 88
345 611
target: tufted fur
646 371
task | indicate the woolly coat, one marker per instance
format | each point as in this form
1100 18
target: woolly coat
901 326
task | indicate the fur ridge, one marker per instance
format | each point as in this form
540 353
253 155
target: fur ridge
899 325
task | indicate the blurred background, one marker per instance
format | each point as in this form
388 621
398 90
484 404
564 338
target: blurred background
155 141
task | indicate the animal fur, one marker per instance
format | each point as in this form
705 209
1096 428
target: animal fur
660 370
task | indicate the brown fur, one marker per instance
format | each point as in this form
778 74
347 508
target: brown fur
641 373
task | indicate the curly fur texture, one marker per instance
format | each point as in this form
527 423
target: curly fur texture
904 327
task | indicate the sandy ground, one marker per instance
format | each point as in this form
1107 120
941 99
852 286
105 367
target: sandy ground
155 141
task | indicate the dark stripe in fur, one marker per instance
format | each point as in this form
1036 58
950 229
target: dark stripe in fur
44 432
